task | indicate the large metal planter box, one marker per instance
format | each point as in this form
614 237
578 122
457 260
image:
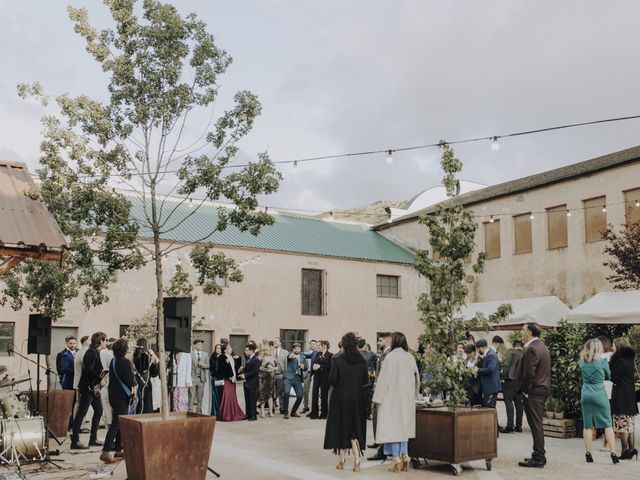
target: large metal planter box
167 450
455 436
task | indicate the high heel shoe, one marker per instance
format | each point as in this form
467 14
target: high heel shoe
395 465
588 457
624 455
356 465
614 458
340 465
633 453
405 463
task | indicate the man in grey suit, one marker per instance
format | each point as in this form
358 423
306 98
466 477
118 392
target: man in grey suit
280 355
199 367
296 365
384 345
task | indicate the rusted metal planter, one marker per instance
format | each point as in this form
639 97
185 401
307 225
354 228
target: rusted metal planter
455 436
177 448
60 409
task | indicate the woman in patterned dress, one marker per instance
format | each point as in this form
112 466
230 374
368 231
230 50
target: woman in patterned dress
182 381
266 380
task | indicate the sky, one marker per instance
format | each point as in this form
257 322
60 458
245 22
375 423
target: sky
340 76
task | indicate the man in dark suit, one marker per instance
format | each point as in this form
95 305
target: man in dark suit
321 368
251 369
296 365
65 367
533 380
489 373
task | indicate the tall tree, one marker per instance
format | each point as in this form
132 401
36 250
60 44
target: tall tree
623 249
162 69
447 267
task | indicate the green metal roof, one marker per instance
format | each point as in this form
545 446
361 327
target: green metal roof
289 233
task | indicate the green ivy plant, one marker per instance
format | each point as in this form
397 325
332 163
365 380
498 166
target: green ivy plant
452 231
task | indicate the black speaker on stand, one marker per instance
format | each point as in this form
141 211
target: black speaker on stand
177 331
39 343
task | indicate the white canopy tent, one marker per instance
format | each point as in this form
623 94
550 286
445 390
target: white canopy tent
545 311
608 308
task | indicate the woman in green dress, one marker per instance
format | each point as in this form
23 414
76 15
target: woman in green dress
596 411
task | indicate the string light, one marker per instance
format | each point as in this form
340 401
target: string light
532 216
495 146
637 203
295 164
568 213
389 158
491 220
604 209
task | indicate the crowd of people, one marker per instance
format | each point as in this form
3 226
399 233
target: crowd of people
347 388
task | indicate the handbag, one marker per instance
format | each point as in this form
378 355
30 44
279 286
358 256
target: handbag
133 399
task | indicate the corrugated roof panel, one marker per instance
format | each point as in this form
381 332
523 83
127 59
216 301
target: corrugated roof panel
289 233
23 220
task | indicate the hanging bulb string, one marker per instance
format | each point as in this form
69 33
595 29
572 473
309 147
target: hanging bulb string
389 151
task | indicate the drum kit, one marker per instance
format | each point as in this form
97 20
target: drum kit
22 436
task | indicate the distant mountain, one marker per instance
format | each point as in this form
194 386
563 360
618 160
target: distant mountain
372 214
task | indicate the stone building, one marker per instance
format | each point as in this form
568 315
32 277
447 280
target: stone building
543 233
305 278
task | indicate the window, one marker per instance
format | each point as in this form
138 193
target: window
238 342
492 239
312 292
387 286
122 332
595 219
289 337
522 233
557 226
206 336
6 338
632 206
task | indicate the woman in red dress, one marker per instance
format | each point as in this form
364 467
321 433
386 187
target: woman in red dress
229 409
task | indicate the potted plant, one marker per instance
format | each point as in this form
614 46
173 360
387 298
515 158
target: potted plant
558 411
452 239
549 407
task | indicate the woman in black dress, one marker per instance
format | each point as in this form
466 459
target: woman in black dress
146 364
623 397
346 426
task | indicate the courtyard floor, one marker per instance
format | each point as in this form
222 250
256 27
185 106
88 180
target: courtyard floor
278 449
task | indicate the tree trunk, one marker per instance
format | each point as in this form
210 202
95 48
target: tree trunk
165 406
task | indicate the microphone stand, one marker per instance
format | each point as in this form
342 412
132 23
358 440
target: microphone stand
47 457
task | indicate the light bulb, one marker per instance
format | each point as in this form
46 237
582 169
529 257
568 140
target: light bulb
295 164
491 220
532 216
495 146
389 158
568 213
604 209
637 203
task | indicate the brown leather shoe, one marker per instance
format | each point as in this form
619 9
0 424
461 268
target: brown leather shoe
108 459
294 414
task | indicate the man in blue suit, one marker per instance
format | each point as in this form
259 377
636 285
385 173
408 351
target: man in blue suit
489 373
66 370
296 365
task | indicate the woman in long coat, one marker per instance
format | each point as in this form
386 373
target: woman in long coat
346 426
396 391
623 397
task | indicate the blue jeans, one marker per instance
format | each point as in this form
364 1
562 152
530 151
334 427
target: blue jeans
296 383
395 449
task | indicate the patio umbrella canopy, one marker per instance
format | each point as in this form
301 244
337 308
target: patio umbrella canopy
609 308
545 311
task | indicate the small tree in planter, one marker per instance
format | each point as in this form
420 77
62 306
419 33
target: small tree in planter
162 74
452 238
452 231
